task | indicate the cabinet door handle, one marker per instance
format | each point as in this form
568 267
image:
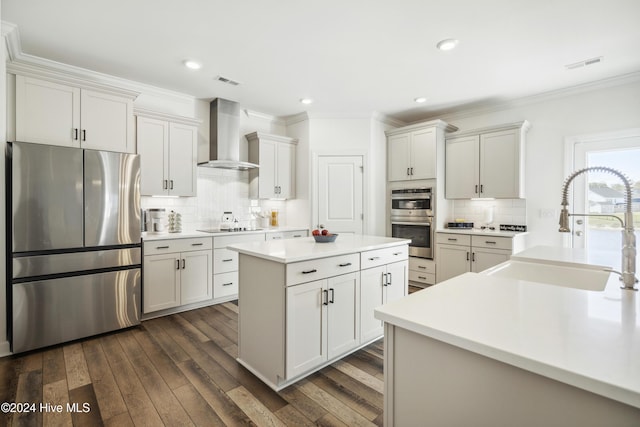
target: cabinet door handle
346 264
164 184
332 296
197 244
227 284
177 264
309 271
390 278
489 242
473 257
75 134
184 263
467 256
227 260
476 189
384 279
162 247
325 293
84 134
452 240
411 171
422 267
481 188
171 185
408 172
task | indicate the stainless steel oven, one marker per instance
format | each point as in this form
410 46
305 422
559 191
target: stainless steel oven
412 218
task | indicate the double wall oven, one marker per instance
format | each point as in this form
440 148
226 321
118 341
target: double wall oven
412 218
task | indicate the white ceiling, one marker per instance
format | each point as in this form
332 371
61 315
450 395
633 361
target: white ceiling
352 57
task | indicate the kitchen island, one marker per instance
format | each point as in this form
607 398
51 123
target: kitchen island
496 350
303 305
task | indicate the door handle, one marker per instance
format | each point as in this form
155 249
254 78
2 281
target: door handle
162 247
473 257
227 260
390 277
165 184
227 284
84 134
197 244
422 267
326 297
346 264
476 189
482 188
332 295
75 134
177 264
467 256
411 171
184 263
384 279
309 271
171 185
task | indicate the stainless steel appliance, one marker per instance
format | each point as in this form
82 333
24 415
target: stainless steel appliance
73 217
412 218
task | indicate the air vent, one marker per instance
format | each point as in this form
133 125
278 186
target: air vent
227 81
584 63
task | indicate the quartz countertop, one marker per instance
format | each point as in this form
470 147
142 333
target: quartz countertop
588 339
186 234
303 249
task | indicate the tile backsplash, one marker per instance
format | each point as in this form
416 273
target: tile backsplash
219 190
496 212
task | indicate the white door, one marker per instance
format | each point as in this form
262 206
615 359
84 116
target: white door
106 121
452 261
343 328
484 258
500 164
286 171
196 278
462 167
183 156
600 193
161 282
396 281
268 164
306 327
423 154
340 194
153 147
399 157
371 296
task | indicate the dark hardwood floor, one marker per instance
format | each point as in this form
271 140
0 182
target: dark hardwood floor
181 370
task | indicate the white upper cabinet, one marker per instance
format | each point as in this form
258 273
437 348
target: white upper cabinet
275 178
55 113
168 154
412 150
486 163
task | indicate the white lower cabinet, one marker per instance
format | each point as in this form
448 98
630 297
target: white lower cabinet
461 253
380 285
176 272
322 321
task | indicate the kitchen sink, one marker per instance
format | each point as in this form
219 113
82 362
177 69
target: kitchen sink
552 274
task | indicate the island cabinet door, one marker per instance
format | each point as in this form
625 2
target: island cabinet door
343 317
306 327
371 296
397 283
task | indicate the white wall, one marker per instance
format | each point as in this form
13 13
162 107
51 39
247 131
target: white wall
553 118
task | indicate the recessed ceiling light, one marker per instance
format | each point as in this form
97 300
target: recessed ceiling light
420 99
447 44
193 65
306 101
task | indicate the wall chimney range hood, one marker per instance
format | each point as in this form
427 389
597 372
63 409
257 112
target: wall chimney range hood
224 137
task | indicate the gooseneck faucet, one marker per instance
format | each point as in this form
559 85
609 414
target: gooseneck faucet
628 273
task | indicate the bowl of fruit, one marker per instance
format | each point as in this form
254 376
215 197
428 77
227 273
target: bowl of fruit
323 236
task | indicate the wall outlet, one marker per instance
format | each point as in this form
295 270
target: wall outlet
548 213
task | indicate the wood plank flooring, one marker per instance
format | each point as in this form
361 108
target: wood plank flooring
180 370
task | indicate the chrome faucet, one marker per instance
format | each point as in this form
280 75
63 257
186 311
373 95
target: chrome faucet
628 275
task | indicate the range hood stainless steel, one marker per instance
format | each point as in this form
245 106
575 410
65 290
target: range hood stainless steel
224 137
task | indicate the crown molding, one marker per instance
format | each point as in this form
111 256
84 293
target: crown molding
440 124
388 120
267 117
492 107
296 118
151 114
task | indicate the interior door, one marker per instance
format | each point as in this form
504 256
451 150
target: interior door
340 194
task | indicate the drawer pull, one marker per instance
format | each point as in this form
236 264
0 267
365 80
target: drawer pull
422 267
276 237
227 260
197 244
422 277
310 271
227 284
397 253
452 239
297 235
489 242
374 258
162 247
346 264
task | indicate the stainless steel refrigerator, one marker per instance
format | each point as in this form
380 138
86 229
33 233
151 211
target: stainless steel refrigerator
73 225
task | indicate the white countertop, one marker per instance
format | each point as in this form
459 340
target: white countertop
185 234
588 339
478 231
303 249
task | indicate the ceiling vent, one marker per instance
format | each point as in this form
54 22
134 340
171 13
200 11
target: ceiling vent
584 63
227 81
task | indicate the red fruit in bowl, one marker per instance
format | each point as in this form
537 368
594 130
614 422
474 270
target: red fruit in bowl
315 232
325 232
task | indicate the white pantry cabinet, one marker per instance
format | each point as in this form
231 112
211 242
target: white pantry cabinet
176 272
486 163
276 155
412 150
58 113
461 253
168 154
